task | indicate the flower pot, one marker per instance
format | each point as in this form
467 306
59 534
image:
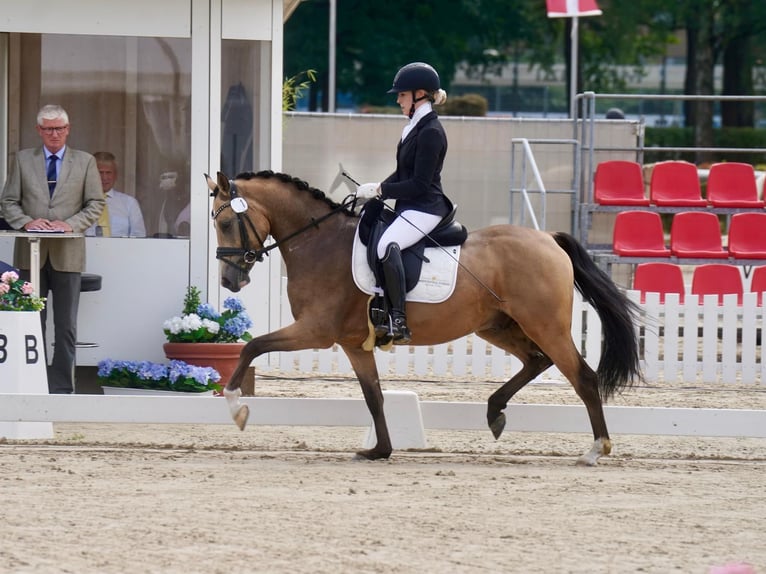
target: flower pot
157 392
223 357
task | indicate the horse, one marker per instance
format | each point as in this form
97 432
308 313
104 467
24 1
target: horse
515 289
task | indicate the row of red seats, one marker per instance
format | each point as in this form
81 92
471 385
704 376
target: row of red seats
692 234
676 184
709 279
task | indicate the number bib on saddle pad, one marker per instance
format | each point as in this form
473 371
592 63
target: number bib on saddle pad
437 277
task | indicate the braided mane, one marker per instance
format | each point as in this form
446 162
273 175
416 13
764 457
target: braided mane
298 184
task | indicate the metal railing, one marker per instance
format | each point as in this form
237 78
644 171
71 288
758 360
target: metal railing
584 130
528 160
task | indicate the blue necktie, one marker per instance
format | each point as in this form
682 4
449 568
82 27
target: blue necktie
52 173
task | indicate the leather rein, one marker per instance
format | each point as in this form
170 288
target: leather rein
250 256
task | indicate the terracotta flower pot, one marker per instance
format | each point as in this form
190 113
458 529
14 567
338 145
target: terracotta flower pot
223 357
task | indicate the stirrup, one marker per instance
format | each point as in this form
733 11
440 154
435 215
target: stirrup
402 334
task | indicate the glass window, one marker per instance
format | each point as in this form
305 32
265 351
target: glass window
245 106
125 95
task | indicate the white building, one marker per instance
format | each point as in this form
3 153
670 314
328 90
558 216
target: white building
179 86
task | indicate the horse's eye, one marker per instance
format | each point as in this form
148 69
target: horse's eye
225 225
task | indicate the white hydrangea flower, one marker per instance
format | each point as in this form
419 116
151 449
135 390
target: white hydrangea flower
211 326
191 322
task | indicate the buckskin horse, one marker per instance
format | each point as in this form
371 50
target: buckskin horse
515 288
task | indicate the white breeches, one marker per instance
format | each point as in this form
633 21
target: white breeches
407 229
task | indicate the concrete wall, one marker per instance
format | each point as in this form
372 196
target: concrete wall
477 171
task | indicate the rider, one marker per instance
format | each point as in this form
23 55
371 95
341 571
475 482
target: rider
415 185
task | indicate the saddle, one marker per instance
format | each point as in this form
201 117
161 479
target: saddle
375 220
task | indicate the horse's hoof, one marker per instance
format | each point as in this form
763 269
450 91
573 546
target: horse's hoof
601 447
497 425
241 416
371 454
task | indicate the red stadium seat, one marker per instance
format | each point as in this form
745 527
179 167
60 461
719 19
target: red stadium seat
696 234
747 235
659 277
717 279
732 184
758 282
676 183
639 234
619 183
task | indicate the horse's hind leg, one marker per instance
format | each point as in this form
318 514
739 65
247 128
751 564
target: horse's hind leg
564 355
534 362
586 387
585 383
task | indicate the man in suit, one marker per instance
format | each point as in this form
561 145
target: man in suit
55 189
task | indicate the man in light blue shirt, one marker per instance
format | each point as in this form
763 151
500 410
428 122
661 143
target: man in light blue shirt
125 218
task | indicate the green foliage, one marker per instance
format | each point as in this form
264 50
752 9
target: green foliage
292 88
374 39
745 138
191 300
466 105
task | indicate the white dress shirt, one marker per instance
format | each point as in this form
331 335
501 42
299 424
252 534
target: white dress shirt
125 218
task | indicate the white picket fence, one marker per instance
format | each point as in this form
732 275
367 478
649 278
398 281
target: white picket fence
697 342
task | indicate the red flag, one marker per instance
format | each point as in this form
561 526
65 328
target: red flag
572 8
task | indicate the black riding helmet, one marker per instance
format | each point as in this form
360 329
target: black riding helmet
416 76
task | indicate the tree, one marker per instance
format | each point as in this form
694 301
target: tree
374 39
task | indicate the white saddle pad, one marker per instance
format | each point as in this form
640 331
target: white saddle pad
437 278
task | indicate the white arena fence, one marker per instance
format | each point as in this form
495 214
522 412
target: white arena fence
694 342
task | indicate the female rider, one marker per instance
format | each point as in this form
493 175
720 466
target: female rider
415 185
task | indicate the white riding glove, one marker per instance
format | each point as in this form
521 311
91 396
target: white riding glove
367 190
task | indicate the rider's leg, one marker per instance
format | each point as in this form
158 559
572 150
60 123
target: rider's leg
393 271
405 231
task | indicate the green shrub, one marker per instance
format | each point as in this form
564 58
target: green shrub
466 105
723 138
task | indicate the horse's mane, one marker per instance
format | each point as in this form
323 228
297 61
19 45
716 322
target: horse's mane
298 184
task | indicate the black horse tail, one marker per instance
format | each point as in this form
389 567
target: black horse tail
619 366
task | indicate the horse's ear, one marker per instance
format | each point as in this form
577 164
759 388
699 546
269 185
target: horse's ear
223 183
211 184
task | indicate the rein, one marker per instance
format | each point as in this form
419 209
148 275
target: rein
239 205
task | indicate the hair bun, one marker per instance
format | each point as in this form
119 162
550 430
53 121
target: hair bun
440 96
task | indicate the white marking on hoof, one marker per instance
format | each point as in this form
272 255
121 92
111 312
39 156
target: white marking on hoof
600 447
239 412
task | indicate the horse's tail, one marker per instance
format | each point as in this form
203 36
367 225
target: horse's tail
619 366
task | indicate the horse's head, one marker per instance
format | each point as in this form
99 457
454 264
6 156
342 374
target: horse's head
241 230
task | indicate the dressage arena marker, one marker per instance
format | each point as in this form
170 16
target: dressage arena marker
402 412
22 368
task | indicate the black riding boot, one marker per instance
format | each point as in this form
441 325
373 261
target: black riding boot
396 291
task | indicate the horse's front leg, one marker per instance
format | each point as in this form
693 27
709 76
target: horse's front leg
291 338
366 371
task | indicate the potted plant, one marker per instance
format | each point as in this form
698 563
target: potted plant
203 336
178 377
17 294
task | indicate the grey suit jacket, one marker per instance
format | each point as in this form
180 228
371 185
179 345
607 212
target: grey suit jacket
77 200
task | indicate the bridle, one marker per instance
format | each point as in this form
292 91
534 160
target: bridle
250 256
245 253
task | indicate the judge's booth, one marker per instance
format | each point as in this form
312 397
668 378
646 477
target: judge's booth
174 89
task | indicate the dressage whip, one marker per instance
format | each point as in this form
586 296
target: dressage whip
446 251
